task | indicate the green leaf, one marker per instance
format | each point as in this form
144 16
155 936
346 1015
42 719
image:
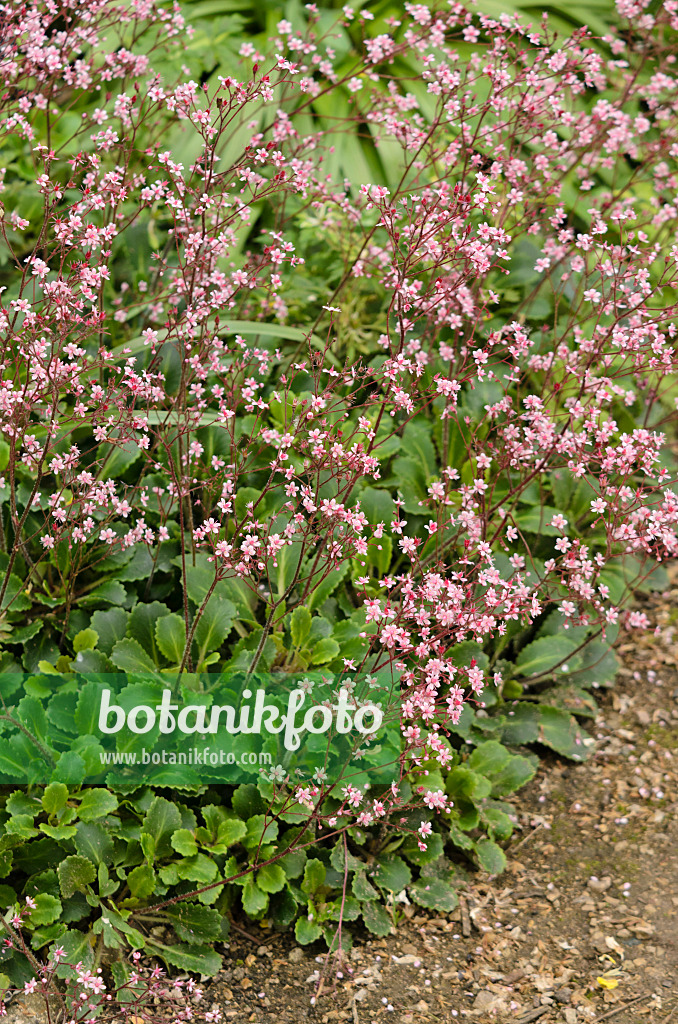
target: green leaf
462 654
70 768
47 910
254 899
347 909
12 762
93 841
142 625
300 625
434 849
141 881
434 893
130 657
21 825
197 868
287 562
293 863
246 496
376 919
191 921
22 803
538 520
464 784
214 625
31 713
41 936
306 931
110 626
283 909
489 758
96 803
75 873
195 959
490 856
544 654
343 860
362 889
324 651
378 506
260 831
23 634
110 592
596 664
417 443
54 797
118 458
498 822
77 949
247 801
85 640
183 841
392 873
569 697
560 731
161 821
87 709
58 832
10 682
229 833
139 566
515 773
170 635
379 553
48 669
199 579
314 876
522 725
271 878
15 599
326 586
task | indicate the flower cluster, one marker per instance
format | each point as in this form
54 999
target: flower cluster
186 367
81 994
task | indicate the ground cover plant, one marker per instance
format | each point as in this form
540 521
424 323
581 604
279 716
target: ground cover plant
266 409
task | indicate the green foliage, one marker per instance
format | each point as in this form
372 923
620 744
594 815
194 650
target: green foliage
98 859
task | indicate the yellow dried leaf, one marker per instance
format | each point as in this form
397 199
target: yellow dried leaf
607 982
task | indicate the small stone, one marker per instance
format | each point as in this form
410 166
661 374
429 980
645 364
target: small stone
295 955
563 995
570 1015
487 1002
600 884
28 1009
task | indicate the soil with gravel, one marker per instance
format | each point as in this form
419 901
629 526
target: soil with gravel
582 927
